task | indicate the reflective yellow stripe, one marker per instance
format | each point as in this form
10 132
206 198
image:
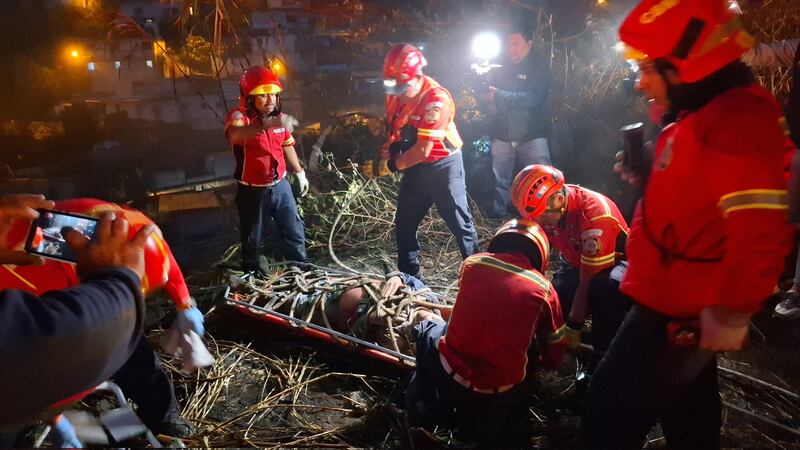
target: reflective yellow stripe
557 335
599 261
288 142
527 274
431 133
28 283
754 199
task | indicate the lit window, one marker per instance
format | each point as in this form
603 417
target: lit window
149 63
90 66
117 65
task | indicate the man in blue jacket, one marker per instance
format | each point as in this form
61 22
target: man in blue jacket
518 93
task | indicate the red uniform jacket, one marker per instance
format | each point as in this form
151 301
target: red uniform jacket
712 226
259 161
161 269
432 117
502 304
592 225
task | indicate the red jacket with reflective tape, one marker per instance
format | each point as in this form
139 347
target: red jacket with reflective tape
503 304
259 160
161 269
712 226
591 228
431 115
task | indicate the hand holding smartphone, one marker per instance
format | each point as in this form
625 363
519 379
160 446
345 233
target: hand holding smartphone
45 236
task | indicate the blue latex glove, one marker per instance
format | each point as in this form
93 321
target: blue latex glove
64 435
191 319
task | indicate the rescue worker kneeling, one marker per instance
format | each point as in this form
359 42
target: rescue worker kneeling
471 372
590 232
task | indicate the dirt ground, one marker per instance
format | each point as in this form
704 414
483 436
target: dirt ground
359 403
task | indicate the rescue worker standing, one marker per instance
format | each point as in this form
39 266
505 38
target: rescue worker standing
506 321
518 93
709 235
424 144
590 232
263 148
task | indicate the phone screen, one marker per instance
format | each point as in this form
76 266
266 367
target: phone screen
45 238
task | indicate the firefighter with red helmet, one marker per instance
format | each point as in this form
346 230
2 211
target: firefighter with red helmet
709 236
506 322
589 231
424 144
264 148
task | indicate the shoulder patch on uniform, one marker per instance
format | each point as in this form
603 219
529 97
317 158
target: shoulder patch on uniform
433 114
592 246
278 130
591 233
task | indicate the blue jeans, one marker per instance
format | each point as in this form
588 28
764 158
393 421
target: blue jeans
507 158
257 205
442 184
433 398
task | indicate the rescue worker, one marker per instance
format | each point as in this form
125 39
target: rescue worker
142 378
506 321
709 236
589 231
424 144
62 343
786 54
263 148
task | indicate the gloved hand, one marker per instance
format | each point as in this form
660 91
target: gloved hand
383 168
64 435
302 182
573 334
191 320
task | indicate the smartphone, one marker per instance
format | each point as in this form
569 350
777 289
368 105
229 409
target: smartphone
45 239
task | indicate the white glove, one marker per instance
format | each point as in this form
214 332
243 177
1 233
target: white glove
289 122
302 182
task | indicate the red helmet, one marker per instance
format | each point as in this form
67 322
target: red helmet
402 64
258 80
527 229
533 187
698 37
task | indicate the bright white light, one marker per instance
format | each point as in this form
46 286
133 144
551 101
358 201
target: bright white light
734 6
389 83
486 46
149 63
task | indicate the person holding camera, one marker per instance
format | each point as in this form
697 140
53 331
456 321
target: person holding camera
517 93
709 236
425 146
61 344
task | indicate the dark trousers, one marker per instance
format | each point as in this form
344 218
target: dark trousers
643 378
424 185
257 205
433 398
607 305
143 380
